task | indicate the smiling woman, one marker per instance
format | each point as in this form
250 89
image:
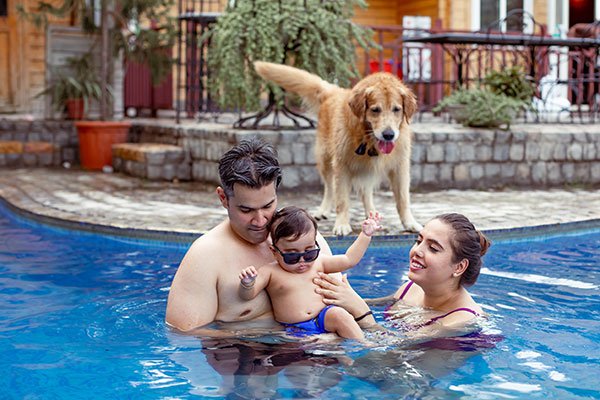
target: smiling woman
445 258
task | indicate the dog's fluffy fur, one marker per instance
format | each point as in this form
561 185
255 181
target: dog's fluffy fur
371 118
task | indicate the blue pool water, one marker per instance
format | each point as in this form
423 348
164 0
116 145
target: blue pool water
81 316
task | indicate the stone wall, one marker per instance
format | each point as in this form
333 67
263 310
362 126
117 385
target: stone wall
444 155
61 134
528 155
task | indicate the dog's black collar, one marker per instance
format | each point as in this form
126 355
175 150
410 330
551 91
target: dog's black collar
362 149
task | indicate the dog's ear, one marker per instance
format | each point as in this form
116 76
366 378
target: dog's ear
409 103
358 102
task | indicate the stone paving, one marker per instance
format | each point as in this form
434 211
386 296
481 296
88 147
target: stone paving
120 201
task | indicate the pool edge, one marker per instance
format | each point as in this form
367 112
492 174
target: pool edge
498 234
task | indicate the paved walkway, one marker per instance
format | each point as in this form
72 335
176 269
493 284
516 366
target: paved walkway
119 201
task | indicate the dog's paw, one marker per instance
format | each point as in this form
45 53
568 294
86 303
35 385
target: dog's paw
320 215
342 229
413 226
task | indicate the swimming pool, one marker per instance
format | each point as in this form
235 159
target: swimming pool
82 317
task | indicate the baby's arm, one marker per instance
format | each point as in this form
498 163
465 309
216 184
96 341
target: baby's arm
251 282
357 250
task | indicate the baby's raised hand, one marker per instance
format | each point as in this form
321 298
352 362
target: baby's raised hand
248 276
372 224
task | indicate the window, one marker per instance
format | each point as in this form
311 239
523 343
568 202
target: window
487 13
3 8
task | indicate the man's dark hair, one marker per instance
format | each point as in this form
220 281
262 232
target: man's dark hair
252 163
291 222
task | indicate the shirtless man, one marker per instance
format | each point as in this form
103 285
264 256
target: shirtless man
205 287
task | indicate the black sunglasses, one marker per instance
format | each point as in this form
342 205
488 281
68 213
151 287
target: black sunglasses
294 258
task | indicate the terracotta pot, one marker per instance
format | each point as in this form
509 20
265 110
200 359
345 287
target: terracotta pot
75 108
96 139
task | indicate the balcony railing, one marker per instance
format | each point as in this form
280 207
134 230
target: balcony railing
565 71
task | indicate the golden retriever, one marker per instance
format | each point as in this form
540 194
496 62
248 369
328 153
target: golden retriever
362 135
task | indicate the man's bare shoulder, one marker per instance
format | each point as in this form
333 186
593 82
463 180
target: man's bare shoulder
217 235
209 250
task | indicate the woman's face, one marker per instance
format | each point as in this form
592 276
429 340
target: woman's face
431 257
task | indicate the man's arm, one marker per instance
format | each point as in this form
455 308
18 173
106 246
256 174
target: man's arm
193 298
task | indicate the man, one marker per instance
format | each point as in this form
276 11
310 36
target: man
205 287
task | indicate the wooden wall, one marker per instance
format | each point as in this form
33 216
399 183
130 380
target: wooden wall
458 15
27 67
423 8
26 73
379 12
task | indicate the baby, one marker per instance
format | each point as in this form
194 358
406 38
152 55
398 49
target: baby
289 279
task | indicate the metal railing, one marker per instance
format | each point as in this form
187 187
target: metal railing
565 71
434 62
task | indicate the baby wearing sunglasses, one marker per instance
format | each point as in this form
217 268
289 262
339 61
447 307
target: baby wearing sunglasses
289 279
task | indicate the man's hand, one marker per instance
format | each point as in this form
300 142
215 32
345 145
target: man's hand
372 224
248 276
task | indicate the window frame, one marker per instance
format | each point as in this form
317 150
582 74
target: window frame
476 14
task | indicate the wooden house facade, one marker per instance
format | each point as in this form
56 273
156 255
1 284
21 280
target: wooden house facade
26 51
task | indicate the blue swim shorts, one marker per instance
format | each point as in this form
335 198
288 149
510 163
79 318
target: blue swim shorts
313 326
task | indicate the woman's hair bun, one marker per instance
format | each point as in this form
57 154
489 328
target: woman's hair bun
484 242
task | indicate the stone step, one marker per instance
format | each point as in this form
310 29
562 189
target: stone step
30 154
153 161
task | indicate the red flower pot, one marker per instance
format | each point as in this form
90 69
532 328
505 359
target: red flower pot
96 139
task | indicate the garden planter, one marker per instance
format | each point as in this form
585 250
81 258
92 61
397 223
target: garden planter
458 112
96 139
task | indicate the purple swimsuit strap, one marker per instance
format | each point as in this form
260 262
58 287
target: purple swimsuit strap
432 320
408 285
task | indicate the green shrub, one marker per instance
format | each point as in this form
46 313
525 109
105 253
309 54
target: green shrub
318 36
504 93
481 107
511 82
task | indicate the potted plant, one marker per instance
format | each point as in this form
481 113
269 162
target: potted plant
121 33
511 82
496 103
318 36
73 87
480 107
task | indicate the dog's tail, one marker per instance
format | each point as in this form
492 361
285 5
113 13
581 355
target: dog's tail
310 87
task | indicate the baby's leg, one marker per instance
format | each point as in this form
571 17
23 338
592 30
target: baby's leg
341 322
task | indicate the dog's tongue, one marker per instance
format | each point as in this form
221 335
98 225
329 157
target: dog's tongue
385 147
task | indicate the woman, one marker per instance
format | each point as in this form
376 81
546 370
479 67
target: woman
445 258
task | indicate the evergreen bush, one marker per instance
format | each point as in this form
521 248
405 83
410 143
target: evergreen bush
314 35
511 82
497 102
